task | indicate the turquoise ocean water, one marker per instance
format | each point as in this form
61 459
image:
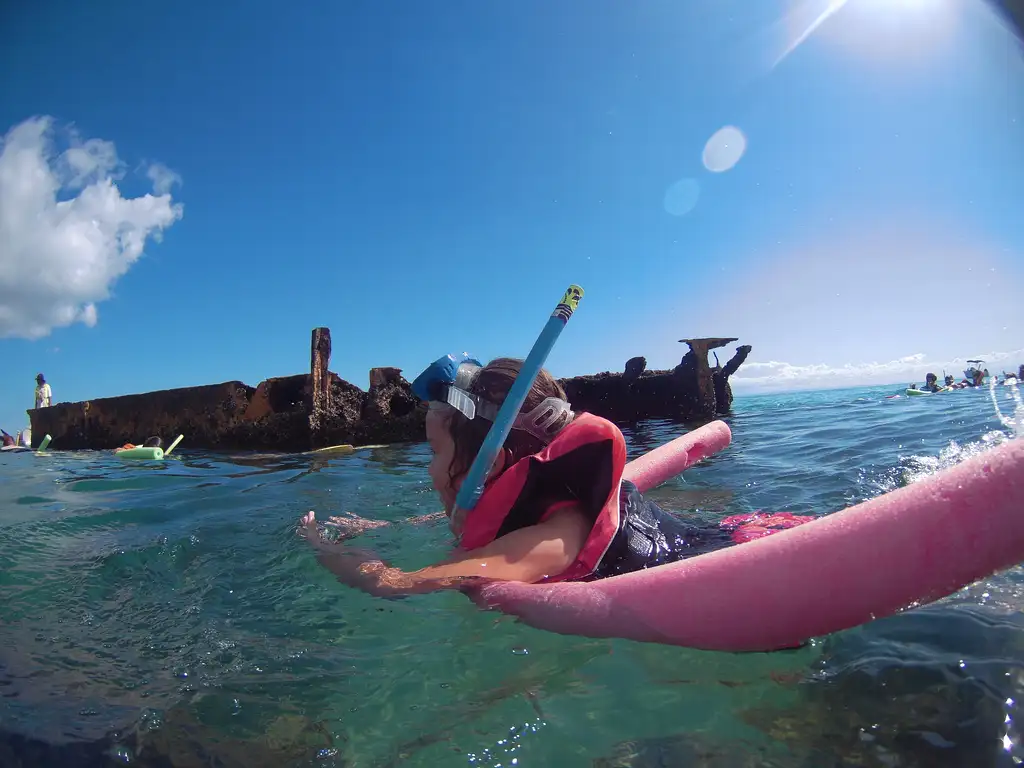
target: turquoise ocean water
167 615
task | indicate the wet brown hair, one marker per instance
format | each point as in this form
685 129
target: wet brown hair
492 383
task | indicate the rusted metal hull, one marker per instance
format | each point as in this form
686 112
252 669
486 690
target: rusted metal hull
308 411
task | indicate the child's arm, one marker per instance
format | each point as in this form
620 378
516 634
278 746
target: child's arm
527 555
349 525
427 518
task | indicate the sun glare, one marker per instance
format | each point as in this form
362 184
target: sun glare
879 30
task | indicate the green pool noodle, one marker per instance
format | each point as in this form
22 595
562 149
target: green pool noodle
141 452
174 445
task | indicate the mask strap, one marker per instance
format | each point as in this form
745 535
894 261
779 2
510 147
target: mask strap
461 401
546 420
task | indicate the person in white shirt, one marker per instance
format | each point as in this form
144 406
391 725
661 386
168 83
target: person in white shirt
43 393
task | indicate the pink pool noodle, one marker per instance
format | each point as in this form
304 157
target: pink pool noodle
913 545
665 462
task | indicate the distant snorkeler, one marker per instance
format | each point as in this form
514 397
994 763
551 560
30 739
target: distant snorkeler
151 442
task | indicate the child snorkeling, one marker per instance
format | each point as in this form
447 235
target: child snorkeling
555 505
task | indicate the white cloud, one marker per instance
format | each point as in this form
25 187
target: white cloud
163 178
60 254
773 375
89 161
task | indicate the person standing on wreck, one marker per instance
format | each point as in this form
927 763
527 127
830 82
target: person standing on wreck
555 505
43 394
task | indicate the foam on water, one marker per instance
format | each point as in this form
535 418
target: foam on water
1014 423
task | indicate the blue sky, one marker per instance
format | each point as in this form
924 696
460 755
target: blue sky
428 177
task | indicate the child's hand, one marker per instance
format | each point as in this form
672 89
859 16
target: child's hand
309 529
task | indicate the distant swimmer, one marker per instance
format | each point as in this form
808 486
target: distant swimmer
151 442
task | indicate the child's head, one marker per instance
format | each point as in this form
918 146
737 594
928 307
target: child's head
153 442
455 439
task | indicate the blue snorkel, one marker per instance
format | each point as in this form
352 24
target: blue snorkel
473 484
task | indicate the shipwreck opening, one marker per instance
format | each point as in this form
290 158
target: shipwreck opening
287 394
400 404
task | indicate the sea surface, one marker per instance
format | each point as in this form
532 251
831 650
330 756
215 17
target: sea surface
168 615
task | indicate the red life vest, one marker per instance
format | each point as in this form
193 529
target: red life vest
582 465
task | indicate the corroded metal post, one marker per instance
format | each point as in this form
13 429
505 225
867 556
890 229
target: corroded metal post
320 378
703 379
723 392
